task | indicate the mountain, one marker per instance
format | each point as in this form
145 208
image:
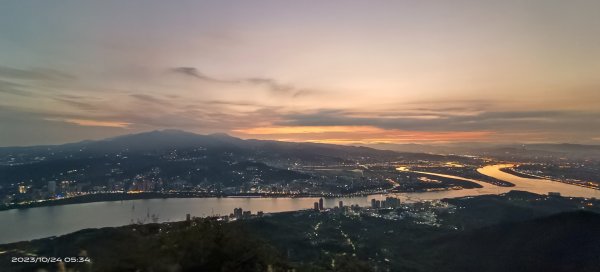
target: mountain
562 242
503 151
565 147
161 140
283 242
176 155
152 140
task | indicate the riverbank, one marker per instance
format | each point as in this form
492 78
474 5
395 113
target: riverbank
467 229
101 197
105 197
536 184
452 185
511 171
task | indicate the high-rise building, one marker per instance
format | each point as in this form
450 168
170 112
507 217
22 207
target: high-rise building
392 202
316 206
246 214
238 212
321 203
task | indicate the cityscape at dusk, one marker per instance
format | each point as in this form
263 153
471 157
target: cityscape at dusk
299 135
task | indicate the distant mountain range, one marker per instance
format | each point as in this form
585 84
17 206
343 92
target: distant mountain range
499 150
161 140
179 155
170 138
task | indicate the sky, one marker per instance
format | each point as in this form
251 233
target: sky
347 72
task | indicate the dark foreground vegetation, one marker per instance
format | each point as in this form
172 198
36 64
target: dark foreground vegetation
513 232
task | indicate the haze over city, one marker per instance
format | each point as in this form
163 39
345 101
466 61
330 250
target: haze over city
334 72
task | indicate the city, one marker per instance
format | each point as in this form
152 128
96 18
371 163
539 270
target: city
83 174
293 136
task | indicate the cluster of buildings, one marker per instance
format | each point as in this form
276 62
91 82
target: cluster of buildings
318 206
391 208
24 193
389 202
238 214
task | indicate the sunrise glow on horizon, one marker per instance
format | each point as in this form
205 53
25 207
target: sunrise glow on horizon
344 72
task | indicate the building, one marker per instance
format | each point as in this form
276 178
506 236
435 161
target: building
321 203
188 217
246 214
316 206
341 204
392 202
238 212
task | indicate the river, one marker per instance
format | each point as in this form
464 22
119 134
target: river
538 186
40 222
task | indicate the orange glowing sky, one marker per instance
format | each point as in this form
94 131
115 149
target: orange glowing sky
358 135
349 72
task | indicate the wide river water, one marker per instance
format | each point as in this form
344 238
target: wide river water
26 224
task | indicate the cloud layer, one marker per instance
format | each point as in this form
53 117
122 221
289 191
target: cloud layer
336 71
